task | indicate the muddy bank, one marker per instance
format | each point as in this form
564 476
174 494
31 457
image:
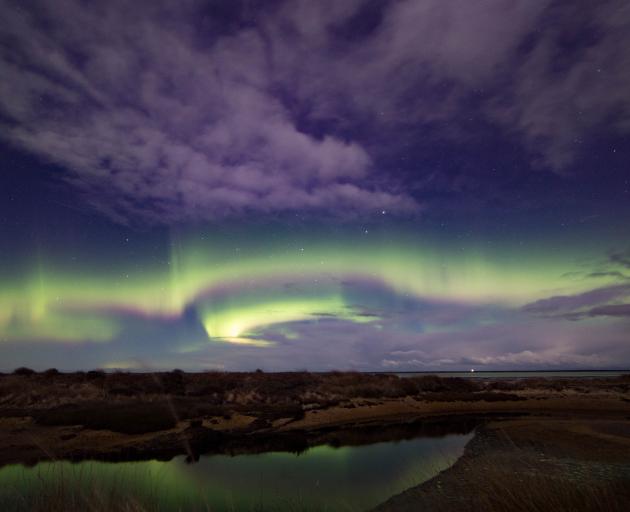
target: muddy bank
142 416
194 441
533 463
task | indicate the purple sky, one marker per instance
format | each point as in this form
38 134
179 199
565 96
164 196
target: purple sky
160 111
458 138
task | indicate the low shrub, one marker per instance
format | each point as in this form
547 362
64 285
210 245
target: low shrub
23 371
173 382
130 418
486 396
433 383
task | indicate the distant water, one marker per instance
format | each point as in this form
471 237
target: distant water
522 375
347 478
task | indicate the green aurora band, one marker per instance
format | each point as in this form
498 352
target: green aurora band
240 288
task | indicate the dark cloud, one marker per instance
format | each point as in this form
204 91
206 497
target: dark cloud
607 273
563 304
621 258
619 310
506 343
164 112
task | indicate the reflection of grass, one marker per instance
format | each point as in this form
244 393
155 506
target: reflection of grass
64 496
487 485
57 488
282 483
64 487
500 492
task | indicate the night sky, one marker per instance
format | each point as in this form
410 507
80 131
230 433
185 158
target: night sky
284 185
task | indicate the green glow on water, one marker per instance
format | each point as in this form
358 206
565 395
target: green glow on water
323 478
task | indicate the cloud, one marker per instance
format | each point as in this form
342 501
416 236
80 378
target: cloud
618 310
163 113
542 359
563 304
621 258
607 273
152 127
550 72
524 359
571 82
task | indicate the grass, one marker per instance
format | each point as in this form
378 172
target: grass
134 404
533 493
24 388
501 488
275 396
287 386
144 402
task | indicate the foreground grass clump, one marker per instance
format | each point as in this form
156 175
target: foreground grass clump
536 494
494 485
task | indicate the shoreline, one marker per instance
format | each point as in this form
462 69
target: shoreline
528 462
25 441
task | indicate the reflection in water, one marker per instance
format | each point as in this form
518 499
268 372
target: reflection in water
321 478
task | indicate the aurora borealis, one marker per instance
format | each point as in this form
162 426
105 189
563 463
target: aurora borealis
238 185
236 299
